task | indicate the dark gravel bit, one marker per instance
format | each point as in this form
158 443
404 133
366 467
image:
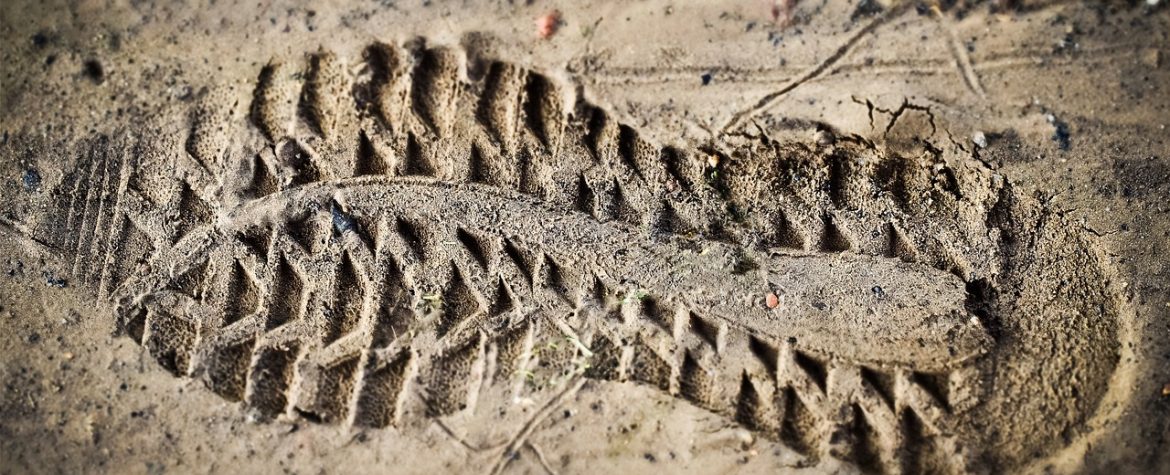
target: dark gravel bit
341 221
94 71
40 39
707 77
54 281
1061 135
31 180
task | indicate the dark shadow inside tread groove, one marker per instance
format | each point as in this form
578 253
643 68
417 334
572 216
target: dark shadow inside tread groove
413 237
417 160
815 369
193 210
474 246
171 340
383 392
881 383
333 389
243 297
286 295
749 408
505 301
864 449
798 425
368 161
191 281
264 181
650 368
270 380
452 378
227 369
696 384
834 238
435 81
765 352
345 312
937 385
459 302
294 156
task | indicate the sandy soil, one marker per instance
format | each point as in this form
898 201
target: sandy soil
669 236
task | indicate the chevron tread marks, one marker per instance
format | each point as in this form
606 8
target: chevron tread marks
380 239
412 110
441 309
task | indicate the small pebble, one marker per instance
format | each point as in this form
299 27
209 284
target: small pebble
772 301
94 71
1152 57
980 139
31 180
824 137
1061 135
341 221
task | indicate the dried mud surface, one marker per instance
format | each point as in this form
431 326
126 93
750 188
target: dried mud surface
417 237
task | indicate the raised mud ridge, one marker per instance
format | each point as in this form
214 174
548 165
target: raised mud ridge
382 241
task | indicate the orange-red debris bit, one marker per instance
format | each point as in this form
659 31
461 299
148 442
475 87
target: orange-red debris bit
546 25
772 301
783 11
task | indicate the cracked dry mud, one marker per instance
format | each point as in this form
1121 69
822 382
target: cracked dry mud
447 249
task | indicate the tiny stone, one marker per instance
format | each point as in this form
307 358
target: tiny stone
31 179
1152 57
980 139
341 221
772 301
824 137
94 71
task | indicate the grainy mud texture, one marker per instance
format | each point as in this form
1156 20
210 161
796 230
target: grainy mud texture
585 237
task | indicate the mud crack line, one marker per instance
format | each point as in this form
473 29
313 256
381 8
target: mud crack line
772 98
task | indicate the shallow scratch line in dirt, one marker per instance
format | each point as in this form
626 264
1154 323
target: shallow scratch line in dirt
772 98
17 230
540 457
962 59
522 436
468 445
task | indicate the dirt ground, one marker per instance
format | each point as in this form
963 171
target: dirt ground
579 237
